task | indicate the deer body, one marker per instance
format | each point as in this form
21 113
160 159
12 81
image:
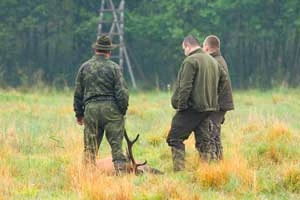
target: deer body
107 167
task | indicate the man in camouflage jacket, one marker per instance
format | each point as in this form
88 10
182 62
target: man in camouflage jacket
211 45
100 103
195 97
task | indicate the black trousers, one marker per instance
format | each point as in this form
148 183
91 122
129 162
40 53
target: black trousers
188 121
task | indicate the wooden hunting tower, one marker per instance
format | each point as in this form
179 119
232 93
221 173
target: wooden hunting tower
111 23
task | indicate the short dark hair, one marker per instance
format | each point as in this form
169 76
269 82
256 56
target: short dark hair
191 40
212 41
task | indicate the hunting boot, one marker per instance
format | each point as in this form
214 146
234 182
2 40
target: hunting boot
120 167
204 156
89 158
178 159
220 152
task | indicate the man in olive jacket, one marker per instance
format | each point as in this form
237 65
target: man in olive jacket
211 45
195 97
100 103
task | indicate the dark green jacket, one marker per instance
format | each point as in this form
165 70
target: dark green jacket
100 79
197 83
225 93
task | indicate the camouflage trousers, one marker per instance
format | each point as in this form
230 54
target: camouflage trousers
103 117
183 124
217 119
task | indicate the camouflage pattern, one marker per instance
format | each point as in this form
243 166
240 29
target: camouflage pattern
100 116
103 43
101 97
226 104
100 79
217 118
204 140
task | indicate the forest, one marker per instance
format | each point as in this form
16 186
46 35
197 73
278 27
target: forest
45 42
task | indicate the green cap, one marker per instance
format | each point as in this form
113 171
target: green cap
103 43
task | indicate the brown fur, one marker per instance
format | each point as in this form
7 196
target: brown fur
106 166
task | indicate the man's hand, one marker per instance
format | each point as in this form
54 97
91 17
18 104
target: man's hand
80 120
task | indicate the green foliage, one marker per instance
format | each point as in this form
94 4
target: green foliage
260 39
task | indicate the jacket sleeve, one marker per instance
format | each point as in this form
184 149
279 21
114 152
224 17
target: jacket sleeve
121 91
223 79
78 103
185 85
174 99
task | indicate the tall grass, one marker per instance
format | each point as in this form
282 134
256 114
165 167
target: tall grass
92 184
41 150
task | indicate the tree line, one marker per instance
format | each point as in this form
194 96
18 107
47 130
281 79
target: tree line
46 41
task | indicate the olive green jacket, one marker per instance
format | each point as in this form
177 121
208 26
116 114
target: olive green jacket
100 79
198 82
225 93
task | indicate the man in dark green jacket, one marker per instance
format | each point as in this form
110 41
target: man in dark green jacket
195 97
211 45
100 103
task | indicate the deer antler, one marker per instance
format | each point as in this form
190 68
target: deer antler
129 152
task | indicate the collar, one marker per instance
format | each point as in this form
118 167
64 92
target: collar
100 56
216 53
199 50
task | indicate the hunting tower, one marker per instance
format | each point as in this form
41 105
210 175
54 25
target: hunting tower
111 23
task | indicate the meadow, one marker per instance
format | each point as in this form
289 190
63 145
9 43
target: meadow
41 150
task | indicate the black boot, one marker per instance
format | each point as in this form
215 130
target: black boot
178 159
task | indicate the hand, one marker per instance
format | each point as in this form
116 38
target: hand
182 110
80 120
123 111
222 122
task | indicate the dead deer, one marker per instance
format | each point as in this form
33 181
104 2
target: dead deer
106 164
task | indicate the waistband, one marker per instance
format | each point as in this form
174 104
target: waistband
99 98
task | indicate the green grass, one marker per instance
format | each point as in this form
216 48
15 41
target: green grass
41 150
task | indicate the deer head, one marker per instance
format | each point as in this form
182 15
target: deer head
130 143
106 164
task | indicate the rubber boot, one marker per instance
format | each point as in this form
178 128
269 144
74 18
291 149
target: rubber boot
178 159
120 167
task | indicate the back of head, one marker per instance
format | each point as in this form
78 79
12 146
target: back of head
103 44
191 40
212 41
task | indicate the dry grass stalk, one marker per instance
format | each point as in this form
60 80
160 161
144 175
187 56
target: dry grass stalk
90 183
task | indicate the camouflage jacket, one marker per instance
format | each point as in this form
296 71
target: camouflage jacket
197 83
100 79
225 93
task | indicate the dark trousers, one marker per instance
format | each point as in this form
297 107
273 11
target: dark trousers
183 124
217 118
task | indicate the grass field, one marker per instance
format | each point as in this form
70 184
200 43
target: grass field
41 150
